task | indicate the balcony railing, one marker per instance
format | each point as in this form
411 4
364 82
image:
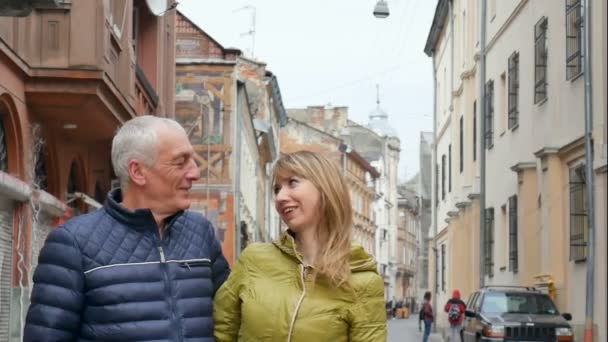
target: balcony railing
214 163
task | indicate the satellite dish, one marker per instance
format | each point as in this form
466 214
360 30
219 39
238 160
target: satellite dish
157 7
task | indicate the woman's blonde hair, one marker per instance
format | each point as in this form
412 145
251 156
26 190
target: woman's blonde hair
335 227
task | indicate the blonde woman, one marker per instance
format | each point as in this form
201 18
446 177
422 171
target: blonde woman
311 284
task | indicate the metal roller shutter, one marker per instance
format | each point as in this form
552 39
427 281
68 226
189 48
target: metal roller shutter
6 265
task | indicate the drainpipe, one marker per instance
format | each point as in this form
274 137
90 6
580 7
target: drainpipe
434 189
237 173
482 141
589 171
451 11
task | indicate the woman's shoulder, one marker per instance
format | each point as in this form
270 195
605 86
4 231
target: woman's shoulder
367 284
256 251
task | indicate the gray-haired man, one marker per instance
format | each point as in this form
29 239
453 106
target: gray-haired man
141 268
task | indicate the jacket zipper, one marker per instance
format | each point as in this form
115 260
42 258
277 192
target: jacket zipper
165 268
295 313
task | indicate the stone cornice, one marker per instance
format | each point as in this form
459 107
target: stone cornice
519 167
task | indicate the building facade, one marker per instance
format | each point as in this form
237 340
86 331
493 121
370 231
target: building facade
408 234
232 109
377 142
70 75
320 133
536 231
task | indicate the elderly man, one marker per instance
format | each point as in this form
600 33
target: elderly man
141 268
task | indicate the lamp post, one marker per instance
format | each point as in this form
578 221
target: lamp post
381 9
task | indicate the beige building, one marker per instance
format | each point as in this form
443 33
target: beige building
535 199
408 231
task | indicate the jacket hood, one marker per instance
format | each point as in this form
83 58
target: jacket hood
360 260
456 294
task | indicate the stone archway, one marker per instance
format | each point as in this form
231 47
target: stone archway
11 139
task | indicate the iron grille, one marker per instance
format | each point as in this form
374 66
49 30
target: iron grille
489 129
540 60
574 33
526 333
578 214
513 90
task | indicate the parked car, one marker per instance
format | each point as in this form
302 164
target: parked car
510 313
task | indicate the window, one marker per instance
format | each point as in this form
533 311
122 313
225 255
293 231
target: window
443 177
436 184
449 168
540 60
135 30
574 34
474 130
513 259
578 214
461 147
489 243
443 267
513 87
489 129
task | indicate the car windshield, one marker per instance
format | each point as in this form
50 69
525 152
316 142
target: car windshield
538 304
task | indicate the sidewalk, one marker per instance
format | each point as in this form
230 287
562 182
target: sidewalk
400 330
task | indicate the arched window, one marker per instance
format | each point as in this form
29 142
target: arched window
3 146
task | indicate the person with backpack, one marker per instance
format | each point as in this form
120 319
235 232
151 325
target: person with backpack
455 308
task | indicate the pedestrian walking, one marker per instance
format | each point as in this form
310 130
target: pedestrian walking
311 284
427 316
393 308
455 308
140 268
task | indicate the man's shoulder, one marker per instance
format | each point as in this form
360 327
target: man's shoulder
83 224
195 217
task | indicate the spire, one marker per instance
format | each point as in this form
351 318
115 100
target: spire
378 113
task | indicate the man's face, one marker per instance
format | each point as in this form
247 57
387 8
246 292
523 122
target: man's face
169 180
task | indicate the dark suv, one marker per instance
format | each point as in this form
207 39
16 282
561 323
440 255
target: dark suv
508 313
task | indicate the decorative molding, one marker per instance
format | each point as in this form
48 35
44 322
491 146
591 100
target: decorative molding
576 144
463 204
519 167
546 151
473 196
505 25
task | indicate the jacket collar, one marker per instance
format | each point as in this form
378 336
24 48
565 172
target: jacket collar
360 260
287 244
139 219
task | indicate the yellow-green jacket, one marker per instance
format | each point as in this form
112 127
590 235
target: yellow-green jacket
270 297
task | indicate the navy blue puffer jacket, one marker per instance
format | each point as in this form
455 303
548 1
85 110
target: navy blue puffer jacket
108 276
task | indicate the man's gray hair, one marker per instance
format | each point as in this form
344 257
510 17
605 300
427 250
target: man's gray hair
137 139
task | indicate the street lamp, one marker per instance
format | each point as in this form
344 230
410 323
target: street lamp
381 9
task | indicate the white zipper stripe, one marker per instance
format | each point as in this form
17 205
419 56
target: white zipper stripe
295 313
143 263
118 265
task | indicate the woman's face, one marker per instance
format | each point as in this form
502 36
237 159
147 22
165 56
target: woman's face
298 203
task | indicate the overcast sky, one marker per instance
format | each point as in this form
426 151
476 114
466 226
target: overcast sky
335 52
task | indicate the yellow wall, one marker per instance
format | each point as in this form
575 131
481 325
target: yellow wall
529 226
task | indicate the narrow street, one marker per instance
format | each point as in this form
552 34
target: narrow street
400 330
